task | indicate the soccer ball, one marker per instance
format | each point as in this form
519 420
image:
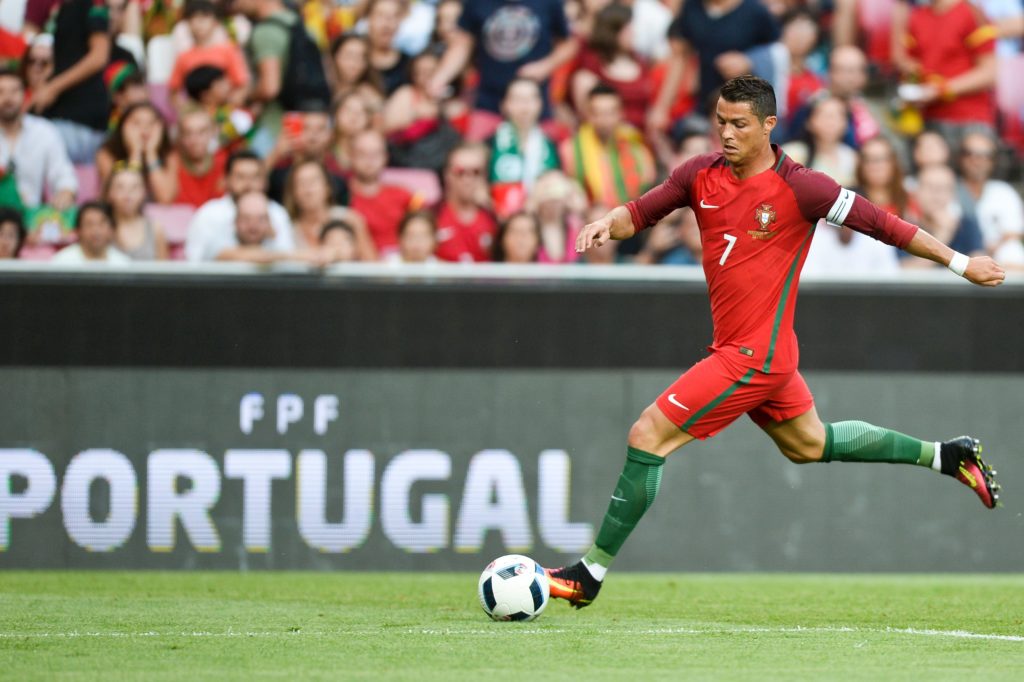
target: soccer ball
513 587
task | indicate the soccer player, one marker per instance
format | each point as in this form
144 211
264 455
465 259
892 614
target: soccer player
757 211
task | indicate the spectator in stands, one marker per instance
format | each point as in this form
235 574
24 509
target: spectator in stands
126 86
308 199
1007 16
94 226
306 137
214 222
692 142
417 237
821 145
847 77
465 226
126 32
208 88
32 153
12 232
934 209
719 32
880 176
352 115
37 64
786 64
382 206
382 20
142 140
416 123
558 204
950 54
520 151
327 20
840 250
75 97
928 149
252 240
518 239
350 55
269 49
136 235
674 240
339 238
996 204
607 156
505 39
208 50
200 160
446 23
608 57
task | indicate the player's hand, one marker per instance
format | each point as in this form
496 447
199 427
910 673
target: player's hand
984 271
595 234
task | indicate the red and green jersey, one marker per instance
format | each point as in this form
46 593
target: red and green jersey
756 233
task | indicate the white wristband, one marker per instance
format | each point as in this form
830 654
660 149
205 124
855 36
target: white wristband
958 263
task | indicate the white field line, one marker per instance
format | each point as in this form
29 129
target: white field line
517 630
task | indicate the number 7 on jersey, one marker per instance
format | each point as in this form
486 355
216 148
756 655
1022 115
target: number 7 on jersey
732 242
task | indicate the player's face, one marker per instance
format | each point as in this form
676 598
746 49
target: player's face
743 136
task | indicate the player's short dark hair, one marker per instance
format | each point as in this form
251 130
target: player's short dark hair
200 79
241 155
13 215
95 205
757 92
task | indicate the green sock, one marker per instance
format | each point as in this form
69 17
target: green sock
634 493
862 442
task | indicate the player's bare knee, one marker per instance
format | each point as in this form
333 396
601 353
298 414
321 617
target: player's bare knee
805 449
644 434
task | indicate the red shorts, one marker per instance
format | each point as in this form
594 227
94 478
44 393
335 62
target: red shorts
715 391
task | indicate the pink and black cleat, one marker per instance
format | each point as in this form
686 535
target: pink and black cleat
573 584
961 459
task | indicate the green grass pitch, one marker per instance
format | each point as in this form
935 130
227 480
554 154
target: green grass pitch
389 626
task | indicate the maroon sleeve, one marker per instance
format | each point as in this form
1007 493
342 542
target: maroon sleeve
821 197
674 193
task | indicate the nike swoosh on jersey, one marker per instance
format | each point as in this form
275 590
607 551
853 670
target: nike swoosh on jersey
672 399
703 205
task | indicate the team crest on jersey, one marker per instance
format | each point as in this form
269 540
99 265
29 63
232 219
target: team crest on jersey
765 216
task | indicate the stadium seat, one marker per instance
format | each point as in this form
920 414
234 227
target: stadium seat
160 59
88 183
42 252
1010 100
417 180
175 219
482 125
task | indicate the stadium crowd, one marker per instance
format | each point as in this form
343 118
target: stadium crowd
486 130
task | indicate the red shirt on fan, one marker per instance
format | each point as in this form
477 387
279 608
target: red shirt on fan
756 233
383 213
196 190
948 44
464 241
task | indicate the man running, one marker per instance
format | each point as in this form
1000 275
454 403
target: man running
757 211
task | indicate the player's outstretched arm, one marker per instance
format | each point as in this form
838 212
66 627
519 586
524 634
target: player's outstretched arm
980 270
617 224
